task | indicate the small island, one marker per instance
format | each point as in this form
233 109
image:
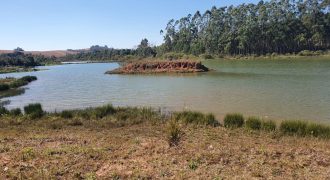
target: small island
146 67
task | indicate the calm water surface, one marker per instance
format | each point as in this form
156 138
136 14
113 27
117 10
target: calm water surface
283 89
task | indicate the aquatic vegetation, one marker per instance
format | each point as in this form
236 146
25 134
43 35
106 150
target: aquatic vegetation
253 123
193 117
234 120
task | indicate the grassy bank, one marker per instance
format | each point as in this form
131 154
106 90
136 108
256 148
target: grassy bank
121 143
15 69
12 86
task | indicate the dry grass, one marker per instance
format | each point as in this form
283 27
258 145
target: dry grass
94 150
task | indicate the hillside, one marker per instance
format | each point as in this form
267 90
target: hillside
56 53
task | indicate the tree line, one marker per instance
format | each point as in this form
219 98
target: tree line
276 26
19 58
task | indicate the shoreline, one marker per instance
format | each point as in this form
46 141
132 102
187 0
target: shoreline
109 142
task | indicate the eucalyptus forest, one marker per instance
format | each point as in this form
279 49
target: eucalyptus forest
277 26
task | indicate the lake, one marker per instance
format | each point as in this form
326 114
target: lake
274 89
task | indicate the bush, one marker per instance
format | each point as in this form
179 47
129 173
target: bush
293 127
253 123
233 120
318 130
67 114
15 112
34 110
268 125
3 110
4 87
173 132
191 117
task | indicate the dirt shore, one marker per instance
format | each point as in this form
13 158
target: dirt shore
141 151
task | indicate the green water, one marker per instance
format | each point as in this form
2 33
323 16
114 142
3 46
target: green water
281 89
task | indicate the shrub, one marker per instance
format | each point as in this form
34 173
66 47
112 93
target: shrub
268 125
293 127
253 123
4 87
34 110
173 132
191 117
15 112
3 110
318 130
233 120
67 114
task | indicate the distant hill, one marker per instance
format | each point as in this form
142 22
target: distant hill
56 53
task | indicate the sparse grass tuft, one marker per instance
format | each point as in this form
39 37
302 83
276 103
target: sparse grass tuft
173 132
192 117
34 110
233 120
28 154
253 123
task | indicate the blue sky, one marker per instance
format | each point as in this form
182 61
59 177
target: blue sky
74 24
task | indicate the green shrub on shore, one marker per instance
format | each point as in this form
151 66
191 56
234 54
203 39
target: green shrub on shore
192 117
293 127
15 112
253 123
34 110
268 125
3 110
233 120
